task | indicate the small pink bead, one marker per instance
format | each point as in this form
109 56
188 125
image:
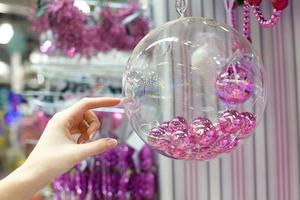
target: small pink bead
194 150
180 140
178 154
154 135
178 123
248 124
230 122
225 144
206 154
262 21
203 130
162 145
164 126
233 145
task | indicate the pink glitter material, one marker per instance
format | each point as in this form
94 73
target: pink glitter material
230 122
178 123
74 34
204 131
225 144
234 85
201 140
248 124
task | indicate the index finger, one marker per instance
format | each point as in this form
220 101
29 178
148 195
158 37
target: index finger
91 103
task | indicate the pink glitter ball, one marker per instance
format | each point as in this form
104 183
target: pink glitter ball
164 126
180 139
230 122
204 131
178 123
225 144
179 154
234 85
248 124
205 154
154 135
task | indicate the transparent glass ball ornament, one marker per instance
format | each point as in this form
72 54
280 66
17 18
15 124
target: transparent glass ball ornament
194 89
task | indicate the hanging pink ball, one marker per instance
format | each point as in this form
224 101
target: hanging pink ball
230 122
280 4
234 85
248 124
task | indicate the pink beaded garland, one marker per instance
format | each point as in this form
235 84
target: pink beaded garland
264 22
278 5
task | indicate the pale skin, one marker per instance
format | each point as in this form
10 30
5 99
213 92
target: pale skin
56 151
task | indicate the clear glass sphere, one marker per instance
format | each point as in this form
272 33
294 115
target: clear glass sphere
194 89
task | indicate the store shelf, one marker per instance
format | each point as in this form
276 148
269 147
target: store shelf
106 65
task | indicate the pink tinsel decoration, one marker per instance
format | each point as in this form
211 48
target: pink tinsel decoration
73 35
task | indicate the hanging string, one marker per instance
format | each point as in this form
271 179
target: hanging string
229 4
181 7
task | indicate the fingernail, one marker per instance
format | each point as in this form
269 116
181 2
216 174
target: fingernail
111 142
93 134
122 101
80 141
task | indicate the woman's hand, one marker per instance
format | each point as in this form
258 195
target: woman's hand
56 151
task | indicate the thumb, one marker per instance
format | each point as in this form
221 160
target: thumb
96 147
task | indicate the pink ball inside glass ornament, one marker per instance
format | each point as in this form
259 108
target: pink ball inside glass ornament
194 89
204 131
230 122
248 123
234 85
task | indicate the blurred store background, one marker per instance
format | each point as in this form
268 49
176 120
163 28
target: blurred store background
39 76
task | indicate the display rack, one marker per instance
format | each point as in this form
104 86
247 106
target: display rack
109 64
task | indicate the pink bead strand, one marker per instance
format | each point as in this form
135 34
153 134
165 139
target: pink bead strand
233 18
264 22
246 20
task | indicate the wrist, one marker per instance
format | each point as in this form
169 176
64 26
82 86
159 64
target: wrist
35 175
24 182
